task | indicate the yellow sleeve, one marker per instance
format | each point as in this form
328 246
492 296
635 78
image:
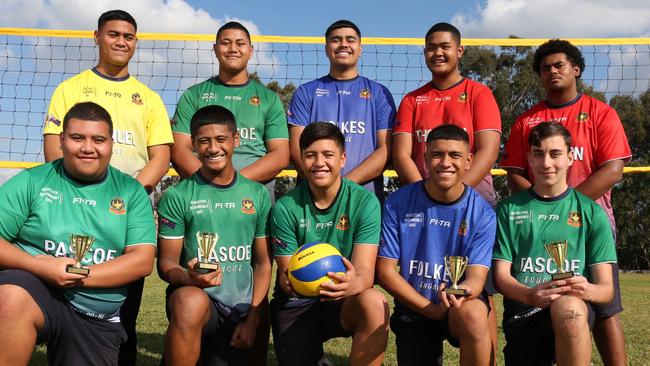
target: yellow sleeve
159 131
54 118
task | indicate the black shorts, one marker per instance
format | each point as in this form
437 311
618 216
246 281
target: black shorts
71 338
615 306
216 336
299 331
530 339
419 340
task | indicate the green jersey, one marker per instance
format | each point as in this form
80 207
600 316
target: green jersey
43 206
353 218
526 222
258 111
237 213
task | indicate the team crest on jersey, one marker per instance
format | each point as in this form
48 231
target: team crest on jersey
247 206
462 97
574 219
255 100
136 99
343 223
88 91
583 116
365 93
117 206
462 229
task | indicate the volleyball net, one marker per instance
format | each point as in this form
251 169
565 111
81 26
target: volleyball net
33 62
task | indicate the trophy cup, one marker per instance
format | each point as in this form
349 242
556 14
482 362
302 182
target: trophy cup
205 245
455 266
80 244
557 250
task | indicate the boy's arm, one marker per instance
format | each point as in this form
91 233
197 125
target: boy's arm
135 263
487 152
541 295
391 281
171 271
600 291
359 276
517 180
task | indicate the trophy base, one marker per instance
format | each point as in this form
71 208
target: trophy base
82 271
206 267
562 276
456 291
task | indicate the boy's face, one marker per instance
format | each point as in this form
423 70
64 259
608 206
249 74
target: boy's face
447 161
322 162
442 53
233 50
557 73
550 162
87 147
343 47
214 145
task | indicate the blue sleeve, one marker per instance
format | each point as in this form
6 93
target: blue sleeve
299 112
389 247
480 249
385 107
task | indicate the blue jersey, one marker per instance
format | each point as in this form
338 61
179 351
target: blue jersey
419 232
360 107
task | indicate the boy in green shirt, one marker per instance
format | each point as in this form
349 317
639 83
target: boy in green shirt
213 316
76 315
548 320
326 207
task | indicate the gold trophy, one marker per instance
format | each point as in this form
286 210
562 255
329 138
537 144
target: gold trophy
205 245
455 266
80 244
557 250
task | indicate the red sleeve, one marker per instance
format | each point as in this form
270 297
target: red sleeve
612 141
516 147
486 111
405 116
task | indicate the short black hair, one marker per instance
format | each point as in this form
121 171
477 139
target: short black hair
234 25
321 131
212 115
444 27
554 46
116 15
448 132
545 130
343 23
88 111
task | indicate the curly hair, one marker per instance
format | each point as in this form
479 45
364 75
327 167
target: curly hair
558 46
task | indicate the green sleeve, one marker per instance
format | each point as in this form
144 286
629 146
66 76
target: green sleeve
184 111
16 195
283 230
600 240
171 215
262 227
369 228
503 246
276 121
140 228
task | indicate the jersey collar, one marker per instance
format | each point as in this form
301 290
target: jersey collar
106 77
220 82
548 199
462 79
571 102
205 180
424 189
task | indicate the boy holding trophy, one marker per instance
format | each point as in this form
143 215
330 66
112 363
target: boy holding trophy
440 232
213 251
73 234
552 259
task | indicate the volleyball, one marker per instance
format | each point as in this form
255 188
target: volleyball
309 265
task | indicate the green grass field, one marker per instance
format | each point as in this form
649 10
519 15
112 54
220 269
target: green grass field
636 317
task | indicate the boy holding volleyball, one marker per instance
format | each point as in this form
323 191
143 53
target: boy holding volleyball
424 225
325 207
214 315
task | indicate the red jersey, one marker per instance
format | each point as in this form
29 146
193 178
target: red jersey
467 104
597 136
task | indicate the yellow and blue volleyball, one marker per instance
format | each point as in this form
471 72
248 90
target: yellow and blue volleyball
309 265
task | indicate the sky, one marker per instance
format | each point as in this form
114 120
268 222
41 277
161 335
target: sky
378 18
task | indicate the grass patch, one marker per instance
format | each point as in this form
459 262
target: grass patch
152 325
